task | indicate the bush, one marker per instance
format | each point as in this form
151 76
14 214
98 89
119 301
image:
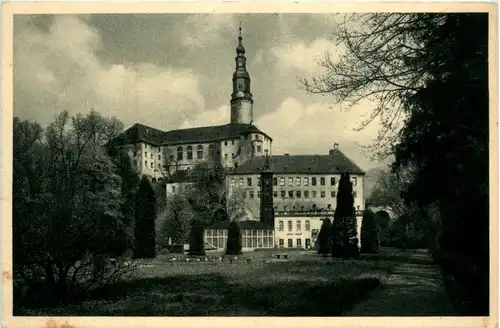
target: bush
325 237
233 246
196 242
370 242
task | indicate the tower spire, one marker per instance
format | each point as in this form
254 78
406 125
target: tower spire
241 98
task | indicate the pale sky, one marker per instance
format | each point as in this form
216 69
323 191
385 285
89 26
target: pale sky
173 71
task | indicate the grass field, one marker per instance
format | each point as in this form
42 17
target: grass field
303 285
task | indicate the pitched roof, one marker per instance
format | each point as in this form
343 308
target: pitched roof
335 162
143 133
245 224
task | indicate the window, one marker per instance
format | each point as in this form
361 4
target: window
233 181
232 155
332 193
173 188
225 156
306 181
306 193
211 151
313 181
235 164
159 157
281 226
151 164
275 181
259 148
199 152
290 243
313 194
323 194
293 208
282 181
179 153
249 182
275 194
232 142
258 181
353 194
290 181
308 225
159 165
171 157
151 155
283 194
281 243
322 181
241 182
332 181
290 194
146 163
225 143
251 193
258 194
290 226
135 153
146 154
299 242
159 149
257 137
189 152
354 181
298 193
297 181
244 194
299 225
329 206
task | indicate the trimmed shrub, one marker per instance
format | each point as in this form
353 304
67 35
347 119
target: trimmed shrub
370 241
344 232
196 242
145 217
325 237
233 246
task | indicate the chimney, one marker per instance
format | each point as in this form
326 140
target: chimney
335 147
286 154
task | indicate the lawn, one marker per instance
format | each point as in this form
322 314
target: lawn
303 285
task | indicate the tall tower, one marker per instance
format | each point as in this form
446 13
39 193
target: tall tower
241 98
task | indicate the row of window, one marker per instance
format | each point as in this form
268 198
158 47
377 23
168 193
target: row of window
151 147
281 243
298 225
298 181
199 152
294 194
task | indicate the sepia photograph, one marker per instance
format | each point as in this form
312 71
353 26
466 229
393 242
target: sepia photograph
252 164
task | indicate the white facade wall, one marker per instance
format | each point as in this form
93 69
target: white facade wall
304 230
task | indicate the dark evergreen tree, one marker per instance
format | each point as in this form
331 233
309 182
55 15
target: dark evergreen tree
325 237
145 217
233 246
370 241
196 242
344 227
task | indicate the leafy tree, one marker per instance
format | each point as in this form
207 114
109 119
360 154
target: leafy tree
369 233
233 246
344 226
176 220
325 237
196 240
208 196
412 67
145 217
67 202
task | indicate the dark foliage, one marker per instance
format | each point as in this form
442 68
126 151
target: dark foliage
344 232
325 237
145 216
196 242
370 242
233 246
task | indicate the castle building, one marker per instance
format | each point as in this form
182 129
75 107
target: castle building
285 197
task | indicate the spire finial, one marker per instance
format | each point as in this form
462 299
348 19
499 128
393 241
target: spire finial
240 50
240 30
